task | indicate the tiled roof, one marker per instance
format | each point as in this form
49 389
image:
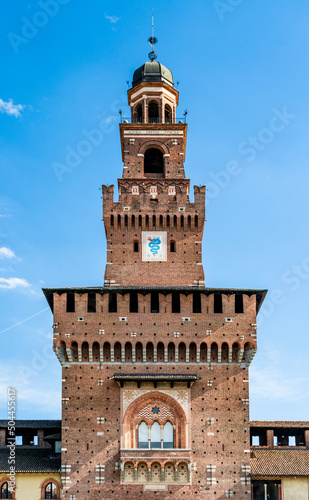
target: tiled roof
34 424
280 462
53 436
285 424
31 460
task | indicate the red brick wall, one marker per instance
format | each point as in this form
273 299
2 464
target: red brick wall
224 400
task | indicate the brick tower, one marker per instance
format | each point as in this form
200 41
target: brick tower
155 365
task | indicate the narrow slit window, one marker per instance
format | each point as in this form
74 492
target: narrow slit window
91 302
70 302
136 247
173 246
175 302
217 303
155 302
133 302
112 302
197 306
239 303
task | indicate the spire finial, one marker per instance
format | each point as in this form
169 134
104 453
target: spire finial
152 41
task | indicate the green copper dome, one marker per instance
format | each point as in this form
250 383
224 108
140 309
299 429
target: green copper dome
152 71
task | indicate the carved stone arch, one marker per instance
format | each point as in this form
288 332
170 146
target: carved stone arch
142 472
153 144
128 471
4 480
45 483
156 398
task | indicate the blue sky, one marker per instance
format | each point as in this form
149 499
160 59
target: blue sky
243 77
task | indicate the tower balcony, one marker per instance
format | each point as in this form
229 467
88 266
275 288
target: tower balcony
155 466
153 120
151 454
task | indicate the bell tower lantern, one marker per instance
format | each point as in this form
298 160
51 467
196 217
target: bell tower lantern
154 205
153 98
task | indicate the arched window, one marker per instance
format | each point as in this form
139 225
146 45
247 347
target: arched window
160 352
167 114
171 352
214 352
192 352
182 352
153 112
135 246
173 246
128 352
107 352
149 352
155 435
96 352
5 493
153 162
85 351
139 352
50 491
117 352
203 353
143 435
168 435
74 349
224 353
235 349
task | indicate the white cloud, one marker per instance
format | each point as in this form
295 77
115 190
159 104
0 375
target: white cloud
31 385
10 108
10 283
112 19
274 383
6 253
